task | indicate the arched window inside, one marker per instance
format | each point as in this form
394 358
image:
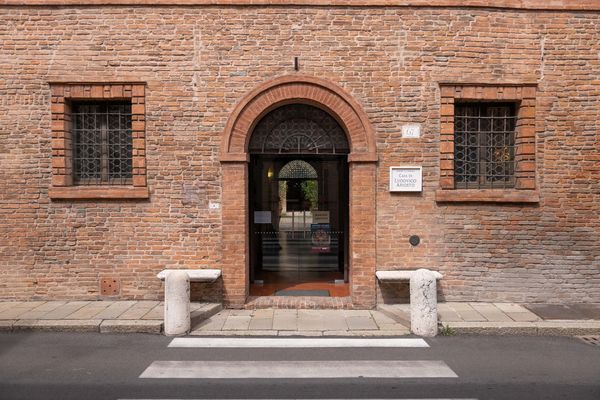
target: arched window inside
297 169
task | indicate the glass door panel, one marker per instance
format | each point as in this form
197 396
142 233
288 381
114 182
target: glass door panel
298 218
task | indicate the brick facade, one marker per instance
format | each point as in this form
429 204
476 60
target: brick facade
375 68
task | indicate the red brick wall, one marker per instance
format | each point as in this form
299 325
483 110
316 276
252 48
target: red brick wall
198 62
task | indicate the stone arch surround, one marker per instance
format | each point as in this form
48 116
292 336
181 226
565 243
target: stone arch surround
362 160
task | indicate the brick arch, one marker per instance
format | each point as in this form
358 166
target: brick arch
235 184
298 89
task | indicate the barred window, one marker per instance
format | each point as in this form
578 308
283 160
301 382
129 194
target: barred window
484 145
102 147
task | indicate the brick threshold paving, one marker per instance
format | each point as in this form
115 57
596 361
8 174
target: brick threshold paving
209 319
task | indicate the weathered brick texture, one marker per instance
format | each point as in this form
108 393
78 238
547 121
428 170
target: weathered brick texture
198 62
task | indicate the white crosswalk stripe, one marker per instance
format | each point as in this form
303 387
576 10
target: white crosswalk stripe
291 369
298 369
296 342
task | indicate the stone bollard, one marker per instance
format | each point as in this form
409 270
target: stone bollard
423 303
177 303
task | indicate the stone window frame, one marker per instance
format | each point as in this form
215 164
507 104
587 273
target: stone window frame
63 94
524 96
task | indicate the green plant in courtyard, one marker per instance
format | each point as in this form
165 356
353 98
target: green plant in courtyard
310 191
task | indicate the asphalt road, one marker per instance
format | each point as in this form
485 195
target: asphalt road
101 366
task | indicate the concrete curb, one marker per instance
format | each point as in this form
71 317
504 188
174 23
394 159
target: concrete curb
152 326
82 325
6 325
57 325
131 326
539 328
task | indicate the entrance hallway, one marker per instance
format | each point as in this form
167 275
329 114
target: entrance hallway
290 268
303 283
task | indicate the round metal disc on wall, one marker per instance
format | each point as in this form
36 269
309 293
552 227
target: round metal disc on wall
414 240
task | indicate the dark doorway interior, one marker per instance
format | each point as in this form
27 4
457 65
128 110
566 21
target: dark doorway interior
299 214
298 203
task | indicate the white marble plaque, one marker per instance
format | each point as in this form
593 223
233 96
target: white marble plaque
411 131
406 179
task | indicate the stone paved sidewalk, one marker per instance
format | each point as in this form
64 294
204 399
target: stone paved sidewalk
500 319
390 320
211 320
284 322
92 316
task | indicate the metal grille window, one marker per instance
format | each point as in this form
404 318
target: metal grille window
298 128
102 150
484 145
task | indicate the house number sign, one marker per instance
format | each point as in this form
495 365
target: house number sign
411 131
406 179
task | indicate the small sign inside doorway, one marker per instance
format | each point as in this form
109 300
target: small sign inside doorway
320 238
320 217
262 217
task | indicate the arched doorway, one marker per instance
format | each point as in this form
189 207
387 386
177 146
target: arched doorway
298 204
235 176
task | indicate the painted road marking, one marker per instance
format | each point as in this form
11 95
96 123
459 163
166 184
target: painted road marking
295 342
297 369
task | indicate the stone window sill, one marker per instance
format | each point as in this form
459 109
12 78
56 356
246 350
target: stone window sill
98 192
487 195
